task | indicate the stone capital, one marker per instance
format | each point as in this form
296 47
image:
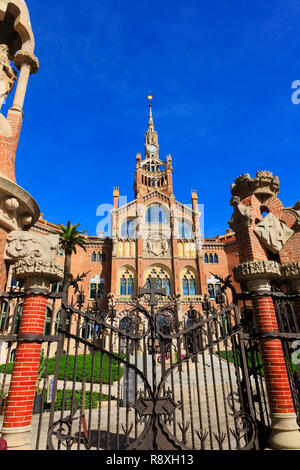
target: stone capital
263 183
34 258
28 58
291 272
252 270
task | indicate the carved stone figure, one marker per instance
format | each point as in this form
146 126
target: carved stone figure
273 233
22 244
242 215
8 75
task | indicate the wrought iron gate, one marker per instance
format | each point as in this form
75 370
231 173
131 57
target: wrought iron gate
151 379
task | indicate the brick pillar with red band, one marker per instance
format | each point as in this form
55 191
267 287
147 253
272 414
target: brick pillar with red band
23 382
37 269
285 431
261 233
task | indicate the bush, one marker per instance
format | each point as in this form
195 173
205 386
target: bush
78 397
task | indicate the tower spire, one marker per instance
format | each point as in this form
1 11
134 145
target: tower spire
151 137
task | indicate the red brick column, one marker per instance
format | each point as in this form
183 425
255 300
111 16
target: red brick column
257 275
18 412
277 382
35 264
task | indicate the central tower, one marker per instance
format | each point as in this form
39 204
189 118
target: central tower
151 172
155 235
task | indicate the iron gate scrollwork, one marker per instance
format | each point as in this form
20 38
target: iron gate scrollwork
158 380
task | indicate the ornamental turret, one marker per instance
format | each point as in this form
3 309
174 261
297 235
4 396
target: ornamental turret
151 172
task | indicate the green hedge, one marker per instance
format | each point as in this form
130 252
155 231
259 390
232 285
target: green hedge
79 368
78 396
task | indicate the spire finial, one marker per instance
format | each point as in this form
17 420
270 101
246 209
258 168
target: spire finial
150 98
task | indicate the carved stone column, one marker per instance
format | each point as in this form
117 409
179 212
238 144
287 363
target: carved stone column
257 276
28 64
35 264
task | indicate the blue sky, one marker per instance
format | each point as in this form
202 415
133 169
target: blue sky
221 73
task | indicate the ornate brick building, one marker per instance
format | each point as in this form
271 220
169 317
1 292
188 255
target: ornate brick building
153 235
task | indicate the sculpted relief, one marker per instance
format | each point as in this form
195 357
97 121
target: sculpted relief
33 255
8 75
273 233
157 245
24 244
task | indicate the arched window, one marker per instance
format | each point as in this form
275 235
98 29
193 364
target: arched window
123 285
128 229
13 355
156 215
4 317
162 279
130 285
184 230
206 258
47 327
126 283
99 257
211 259
185 286
211 291
87 329
188 284
216 258
93 257
18 319
57 287
166 284
57 322
213 288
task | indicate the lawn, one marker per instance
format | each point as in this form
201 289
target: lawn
69 374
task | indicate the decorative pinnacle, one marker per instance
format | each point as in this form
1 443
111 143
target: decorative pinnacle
150 98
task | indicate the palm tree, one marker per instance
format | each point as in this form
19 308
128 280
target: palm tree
69 239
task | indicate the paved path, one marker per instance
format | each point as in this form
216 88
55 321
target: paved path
202 388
